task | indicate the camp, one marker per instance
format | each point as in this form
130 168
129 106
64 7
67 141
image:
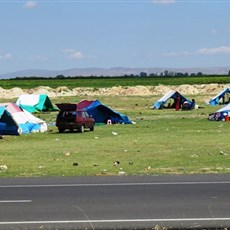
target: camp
220 115
102 113
35 102
221 98
170 97
16 121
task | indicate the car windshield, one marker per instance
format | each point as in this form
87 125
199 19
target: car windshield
86 114
79 113
83 114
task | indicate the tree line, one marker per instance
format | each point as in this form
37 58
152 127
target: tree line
164 74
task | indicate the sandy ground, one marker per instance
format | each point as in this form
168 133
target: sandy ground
203 89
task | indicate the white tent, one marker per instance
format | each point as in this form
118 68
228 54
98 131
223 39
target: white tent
35 102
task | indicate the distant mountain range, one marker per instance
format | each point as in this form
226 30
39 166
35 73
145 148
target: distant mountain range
116 71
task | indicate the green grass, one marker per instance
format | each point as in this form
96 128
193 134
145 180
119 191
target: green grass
100 82
161 142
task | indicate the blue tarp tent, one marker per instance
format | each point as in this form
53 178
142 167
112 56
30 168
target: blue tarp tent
15 121
220 114
7 125
221 98
172 94
102 113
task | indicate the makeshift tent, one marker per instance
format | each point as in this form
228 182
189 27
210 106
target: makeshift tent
15 121
221 98
220 114
102 113
35 102
172 94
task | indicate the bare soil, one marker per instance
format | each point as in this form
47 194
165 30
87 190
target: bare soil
203 89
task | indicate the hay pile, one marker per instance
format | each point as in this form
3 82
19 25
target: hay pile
203 89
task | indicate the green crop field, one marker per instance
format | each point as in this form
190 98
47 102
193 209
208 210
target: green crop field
160 142
99 82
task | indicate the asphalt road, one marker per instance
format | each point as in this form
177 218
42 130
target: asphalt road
137 202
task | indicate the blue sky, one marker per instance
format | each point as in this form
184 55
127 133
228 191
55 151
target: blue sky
58 35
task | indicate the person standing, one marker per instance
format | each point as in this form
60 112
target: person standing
178 103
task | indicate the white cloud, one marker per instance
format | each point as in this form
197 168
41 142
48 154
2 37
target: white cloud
76 54
212 51
31 4
6 56
39 58
163 1
73 53
202 51
171 54
68 50
213 31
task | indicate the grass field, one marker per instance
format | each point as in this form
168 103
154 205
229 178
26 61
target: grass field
161 142
100 82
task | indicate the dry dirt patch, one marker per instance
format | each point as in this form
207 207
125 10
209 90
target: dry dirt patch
203 89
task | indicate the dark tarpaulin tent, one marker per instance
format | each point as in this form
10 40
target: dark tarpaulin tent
102 113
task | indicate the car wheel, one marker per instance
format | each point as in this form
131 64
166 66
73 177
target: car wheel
61 130
92 128
81 129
